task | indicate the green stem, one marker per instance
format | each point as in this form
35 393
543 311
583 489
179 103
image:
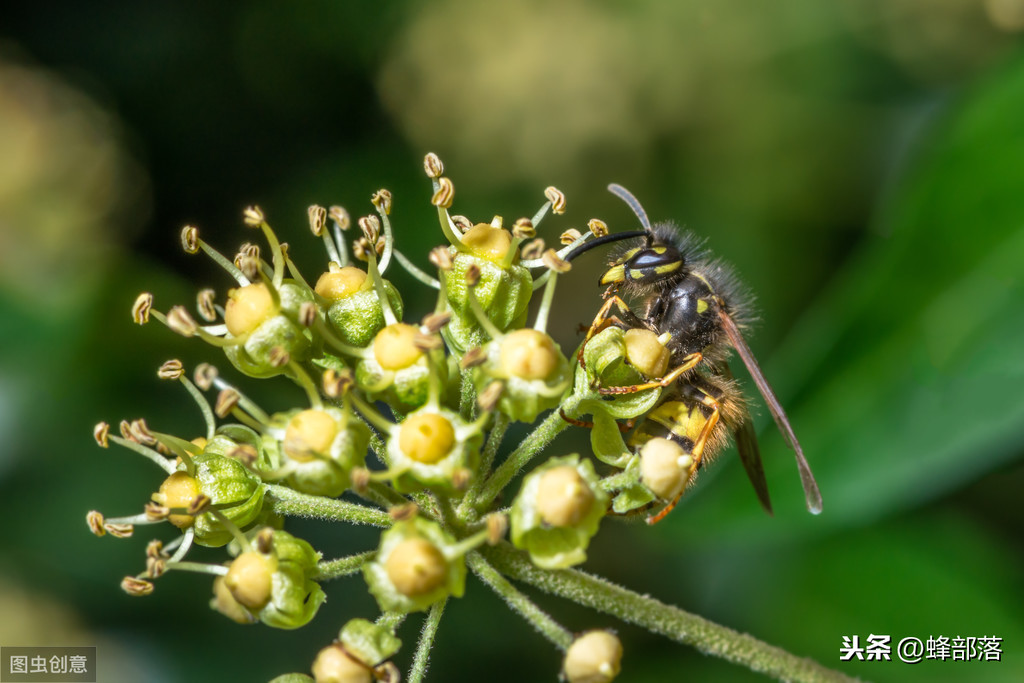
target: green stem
547 430
657 617
422 658
289 502
494 439
548 627
343 566
390 620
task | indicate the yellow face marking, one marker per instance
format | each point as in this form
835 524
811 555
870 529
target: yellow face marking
668 268
614 276
702 305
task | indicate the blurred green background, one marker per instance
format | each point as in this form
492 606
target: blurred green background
861 162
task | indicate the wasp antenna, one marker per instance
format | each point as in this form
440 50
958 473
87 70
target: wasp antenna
627 196
598 241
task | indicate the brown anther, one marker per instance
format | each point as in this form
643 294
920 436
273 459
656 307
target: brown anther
307 313
336 384
461 477
199 505
136 587
180 321
172 369
204 376
370 225
360 477
253 216
245 453
95 521
279 357
340 216
162 449
156 512
141 307
250 249
461 223
317 218
190 239
569 236
119 530
472 275
552 260
140 430
249 266
100 432
489 397
155 548
264 541
387 673
433 322
427 342
497 527
402 513
441 258
532 249
283 246
360 249
126 431
445 193
432 165
472 358
382 200
523 229
557 199
155 567
205 305
598 227
227 400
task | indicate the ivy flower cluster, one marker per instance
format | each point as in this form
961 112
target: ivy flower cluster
401 428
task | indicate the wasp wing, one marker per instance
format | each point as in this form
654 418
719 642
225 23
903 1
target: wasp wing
750 452
811 492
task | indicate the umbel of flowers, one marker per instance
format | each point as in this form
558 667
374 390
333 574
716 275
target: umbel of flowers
401 428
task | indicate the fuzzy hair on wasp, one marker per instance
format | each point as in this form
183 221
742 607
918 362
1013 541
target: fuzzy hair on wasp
696 305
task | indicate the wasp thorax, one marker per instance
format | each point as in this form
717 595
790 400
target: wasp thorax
416 567
487 241
664 467
341 283
308 433
563 496
178 491
594 657
426 438
334 664
394 346
645 352
247 308
528 354
250 579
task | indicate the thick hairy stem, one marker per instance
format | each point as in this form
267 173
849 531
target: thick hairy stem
289 502
422 657
669 621
343 566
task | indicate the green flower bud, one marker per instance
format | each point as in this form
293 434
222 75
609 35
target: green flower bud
320 447
352 306
250 310
557 511
273 587
368 642
533 369
594 657
503 290
430 446
611 359
416 566
399 371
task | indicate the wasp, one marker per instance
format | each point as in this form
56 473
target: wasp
696 307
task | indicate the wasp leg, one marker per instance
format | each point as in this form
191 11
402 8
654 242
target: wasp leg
601 321
689 362
587 424
697 453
